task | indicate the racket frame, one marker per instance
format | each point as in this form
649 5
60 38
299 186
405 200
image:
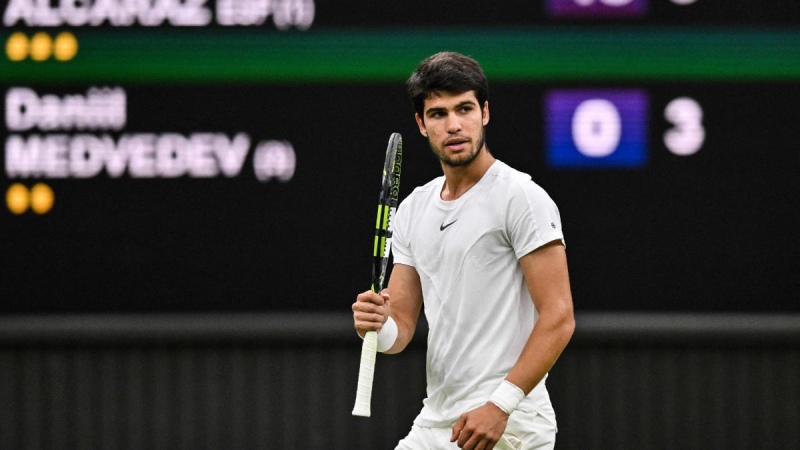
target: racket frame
382 247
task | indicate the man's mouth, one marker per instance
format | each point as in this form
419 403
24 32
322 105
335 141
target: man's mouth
456 143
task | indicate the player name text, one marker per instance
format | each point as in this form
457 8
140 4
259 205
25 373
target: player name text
151 13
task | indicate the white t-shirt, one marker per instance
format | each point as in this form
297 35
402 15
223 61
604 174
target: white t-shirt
479 311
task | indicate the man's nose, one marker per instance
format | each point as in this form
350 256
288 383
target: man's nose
453 123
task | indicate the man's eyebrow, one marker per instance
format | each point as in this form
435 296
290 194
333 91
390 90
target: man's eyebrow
435 109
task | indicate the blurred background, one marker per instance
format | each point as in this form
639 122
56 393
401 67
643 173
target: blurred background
189 188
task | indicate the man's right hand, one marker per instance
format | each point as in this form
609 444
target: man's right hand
370 311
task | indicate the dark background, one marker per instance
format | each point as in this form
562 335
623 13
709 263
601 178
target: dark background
714 231
684 270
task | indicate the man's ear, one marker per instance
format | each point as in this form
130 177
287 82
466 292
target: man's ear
422 130
485 112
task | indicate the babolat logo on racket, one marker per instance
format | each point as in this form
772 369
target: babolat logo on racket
396 173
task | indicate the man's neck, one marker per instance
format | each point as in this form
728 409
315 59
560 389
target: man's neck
459 180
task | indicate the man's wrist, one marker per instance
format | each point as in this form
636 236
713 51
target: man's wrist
507 396
386 336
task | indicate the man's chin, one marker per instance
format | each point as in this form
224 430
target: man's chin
459 160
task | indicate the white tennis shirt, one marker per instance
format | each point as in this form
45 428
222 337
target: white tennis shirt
476 302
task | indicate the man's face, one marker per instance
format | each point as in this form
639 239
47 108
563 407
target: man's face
453 124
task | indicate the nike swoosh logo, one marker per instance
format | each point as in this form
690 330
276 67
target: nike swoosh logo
443 226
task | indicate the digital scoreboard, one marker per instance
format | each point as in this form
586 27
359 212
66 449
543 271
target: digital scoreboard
198 156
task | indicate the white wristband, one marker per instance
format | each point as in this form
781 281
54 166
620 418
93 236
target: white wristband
387 335
507 396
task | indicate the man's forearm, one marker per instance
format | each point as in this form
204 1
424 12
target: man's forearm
548 339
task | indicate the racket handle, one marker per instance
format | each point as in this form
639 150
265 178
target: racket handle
366 371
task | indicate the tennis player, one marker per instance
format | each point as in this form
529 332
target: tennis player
481 248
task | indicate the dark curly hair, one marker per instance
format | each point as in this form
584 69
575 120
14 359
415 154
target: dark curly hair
447 72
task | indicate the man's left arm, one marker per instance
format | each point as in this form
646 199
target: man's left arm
547 279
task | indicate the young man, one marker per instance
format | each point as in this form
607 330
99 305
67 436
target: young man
482 249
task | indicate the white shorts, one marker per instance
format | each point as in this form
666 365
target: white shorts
524 431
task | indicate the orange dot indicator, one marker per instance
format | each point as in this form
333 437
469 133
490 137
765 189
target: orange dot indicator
65 46
17 198
42 198
17 46
41 46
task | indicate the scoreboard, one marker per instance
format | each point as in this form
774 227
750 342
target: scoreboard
201 155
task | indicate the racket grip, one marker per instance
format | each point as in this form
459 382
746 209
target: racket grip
366 372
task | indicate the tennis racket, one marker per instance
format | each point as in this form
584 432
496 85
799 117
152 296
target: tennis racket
387 205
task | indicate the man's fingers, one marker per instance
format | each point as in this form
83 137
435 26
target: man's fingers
372 297
369 311
369 302
372 321
467 439
457 428
470 433
483 445
470 440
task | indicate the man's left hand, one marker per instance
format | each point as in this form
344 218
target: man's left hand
481 428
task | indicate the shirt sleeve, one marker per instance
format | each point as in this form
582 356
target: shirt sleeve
533 219
401 247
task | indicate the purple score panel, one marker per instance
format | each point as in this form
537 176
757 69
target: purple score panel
596 128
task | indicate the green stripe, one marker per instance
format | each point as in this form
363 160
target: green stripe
376 246
378 218
385 223
530 54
